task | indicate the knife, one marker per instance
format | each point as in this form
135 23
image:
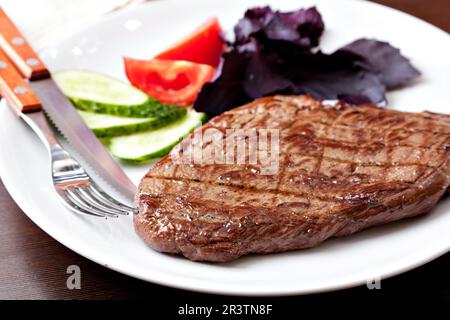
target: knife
59 108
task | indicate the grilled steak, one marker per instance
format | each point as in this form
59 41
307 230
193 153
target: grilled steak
342 169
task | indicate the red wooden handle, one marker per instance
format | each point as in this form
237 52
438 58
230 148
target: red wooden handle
19 50
14 89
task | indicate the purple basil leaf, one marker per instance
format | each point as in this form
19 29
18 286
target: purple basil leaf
308 23
395 69
254 21
302 27
341 75
245 77
279 29
227 91
272 54
262 76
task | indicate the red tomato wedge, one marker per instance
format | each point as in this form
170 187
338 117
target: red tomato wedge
204 45
173 82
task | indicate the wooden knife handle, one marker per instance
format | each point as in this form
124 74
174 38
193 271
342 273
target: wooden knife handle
19 50
14 89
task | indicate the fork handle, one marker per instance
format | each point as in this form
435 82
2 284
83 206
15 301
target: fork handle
14 89
19 50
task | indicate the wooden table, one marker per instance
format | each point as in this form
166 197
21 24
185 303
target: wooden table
33 265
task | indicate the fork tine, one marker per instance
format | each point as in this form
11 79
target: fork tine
103 197
74 198
72 206
86 196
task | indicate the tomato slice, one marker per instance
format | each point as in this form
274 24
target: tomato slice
174 82
204 45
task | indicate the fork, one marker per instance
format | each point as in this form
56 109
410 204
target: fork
72 183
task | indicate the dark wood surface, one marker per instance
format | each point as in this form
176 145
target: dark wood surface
33 265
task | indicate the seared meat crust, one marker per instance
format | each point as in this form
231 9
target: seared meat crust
342 169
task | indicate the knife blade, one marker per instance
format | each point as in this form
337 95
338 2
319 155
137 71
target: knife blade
74 129
60 110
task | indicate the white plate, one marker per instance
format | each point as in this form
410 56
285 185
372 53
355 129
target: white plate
338 263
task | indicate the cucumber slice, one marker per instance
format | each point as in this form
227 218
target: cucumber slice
144 146
94 92
105 125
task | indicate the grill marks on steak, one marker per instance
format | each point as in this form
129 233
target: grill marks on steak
342 169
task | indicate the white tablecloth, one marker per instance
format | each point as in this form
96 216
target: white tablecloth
46 21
